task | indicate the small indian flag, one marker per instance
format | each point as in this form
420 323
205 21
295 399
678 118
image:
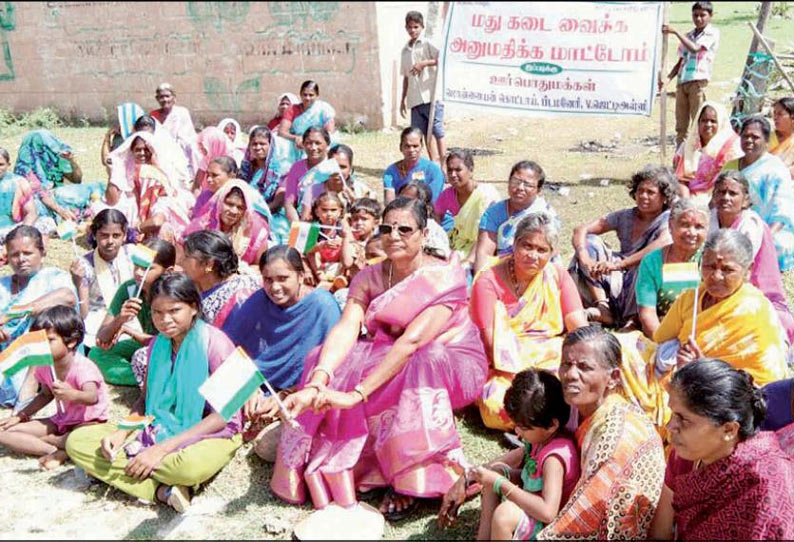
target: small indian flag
321 172
15 311
143 256
135 421
303 236
66 230
30 349
232 384
683 275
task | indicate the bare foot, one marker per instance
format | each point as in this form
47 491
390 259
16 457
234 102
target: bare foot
396 507
53 460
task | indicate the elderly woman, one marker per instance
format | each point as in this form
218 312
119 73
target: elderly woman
142 187
735 321
621 452
771 188
232 210
232 129
732 210
522 307
176 120
782 142
187 442
655 289
605 277
725 480
710 143
498 222
461 205
212 143
382 405
26 292
210 262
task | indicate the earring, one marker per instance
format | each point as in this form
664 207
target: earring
727 438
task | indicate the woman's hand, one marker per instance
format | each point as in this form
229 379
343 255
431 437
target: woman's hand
131 308
451 502
330 399
9 422
300 401
688 353
484 476
111 444
144 463
77 270
260 406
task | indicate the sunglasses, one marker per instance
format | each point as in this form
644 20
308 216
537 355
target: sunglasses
404 231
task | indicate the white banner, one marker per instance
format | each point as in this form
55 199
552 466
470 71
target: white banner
545 58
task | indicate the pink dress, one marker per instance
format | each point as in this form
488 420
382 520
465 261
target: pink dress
81 371
447 201
404 435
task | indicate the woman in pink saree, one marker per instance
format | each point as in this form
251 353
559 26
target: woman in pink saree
377 412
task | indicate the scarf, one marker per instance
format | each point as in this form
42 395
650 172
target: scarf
172 395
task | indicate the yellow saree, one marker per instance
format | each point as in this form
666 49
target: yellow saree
527 335
466 228
742 330
783 150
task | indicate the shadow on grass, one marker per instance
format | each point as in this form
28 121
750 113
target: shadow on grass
152 527
258 493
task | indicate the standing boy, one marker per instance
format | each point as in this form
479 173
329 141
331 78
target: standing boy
695 61
418 67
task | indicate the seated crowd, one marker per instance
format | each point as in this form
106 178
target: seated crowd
376 322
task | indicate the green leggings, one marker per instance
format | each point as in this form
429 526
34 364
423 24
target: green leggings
115 363
189 467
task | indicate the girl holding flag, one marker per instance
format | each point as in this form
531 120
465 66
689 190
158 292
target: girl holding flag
29 290
185 442
128 323
71 379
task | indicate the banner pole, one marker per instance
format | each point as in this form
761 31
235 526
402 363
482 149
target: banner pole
432 116
663 93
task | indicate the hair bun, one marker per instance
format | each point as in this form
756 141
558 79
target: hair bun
759 407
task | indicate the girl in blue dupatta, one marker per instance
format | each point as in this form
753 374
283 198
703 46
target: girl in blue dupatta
282 322
771 189
312 112
46 161
23 294
187 442
260 170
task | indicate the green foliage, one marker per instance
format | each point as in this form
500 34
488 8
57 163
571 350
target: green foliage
42 117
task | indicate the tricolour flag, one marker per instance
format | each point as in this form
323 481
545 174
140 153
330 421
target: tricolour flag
321 172
15 311
135 421
66 230
30 349
232 384
683 275
128 113
143 256
303 236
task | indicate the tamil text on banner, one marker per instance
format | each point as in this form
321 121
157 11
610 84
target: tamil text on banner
546 58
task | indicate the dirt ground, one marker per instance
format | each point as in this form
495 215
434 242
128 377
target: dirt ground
588 162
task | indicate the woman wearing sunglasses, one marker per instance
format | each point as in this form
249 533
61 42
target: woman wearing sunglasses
422 358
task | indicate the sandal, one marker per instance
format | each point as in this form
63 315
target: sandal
177 497
398 515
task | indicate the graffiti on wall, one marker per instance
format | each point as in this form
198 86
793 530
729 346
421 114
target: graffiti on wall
7 24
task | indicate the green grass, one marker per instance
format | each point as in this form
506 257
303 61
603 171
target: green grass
241 488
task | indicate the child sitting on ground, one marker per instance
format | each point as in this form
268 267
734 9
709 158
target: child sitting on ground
78 388
325 258
524 489
356 233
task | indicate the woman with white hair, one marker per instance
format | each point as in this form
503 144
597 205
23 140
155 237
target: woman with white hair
522 306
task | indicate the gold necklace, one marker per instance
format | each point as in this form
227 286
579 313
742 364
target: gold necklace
391 269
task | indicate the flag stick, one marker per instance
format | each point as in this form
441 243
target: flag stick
143 281
290 420
74 247
695 313
55 379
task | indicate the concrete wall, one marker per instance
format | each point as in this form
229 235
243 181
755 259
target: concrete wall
223 58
